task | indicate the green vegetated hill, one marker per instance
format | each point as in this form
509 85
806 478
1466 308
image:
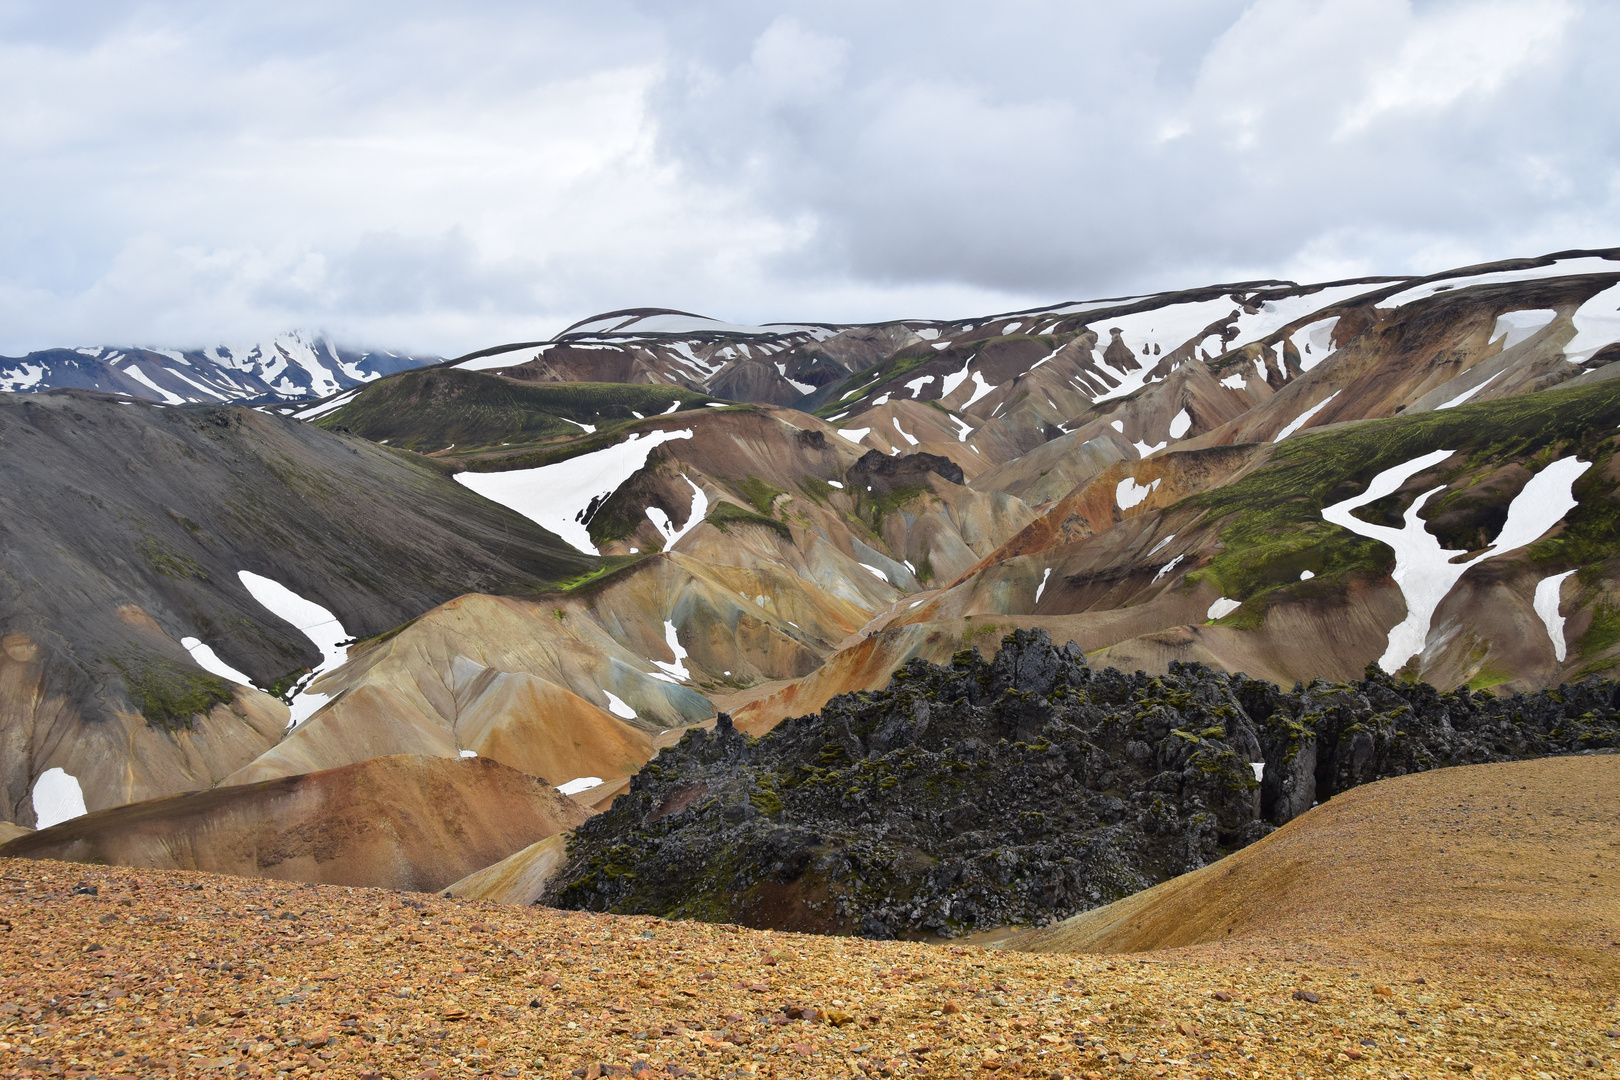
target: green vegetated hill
1021 790
1271 525
437 408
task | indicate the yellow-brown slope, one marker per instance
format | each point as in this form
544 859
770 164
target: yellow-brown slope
1514 860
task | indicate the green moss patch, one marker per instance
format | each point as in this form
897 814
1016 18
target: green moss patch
725 516
170 696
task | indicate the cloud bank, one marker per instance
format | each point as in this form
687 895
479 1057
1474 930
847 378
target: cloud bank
404 175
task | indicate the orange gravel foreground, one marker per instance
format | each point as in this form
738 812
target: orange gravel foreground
117 972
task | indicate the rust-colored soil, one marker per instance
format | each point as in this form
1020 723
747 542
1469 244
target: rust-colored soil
1357 961
400 822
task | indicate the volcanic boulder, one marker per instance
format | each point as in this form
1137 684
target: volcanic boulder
1017 791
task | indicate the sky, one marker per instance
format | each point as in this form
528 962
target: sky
441 177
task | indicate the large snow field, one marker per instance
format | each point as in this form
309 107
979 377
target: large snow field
1423 570
21 378
1597 324
57 798
1314 341
1167 328
557 496
1513 327
317 624
1590 264
1276 314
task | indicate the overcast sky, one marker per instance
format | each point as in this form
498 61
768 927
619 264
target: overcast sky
442 177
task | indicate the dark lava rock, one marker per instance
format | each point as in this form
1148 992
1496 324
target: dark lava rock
882 473
1021 790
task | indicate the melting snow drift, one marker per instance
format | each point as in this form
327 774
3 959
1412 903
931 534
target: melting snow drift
320 626
561 497
57 798
1423 569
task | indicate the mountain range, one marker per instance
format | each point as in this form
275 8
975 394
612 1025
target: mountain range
563 555
290 367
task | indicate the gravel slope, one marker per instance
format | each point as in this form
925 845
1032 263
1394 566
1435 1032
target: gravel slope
117 972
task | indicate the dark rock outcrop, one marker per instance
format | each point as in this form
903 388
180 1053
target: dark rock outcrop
1021 790
882 473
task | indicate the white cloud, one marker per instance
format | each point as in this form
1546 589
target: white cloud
444 179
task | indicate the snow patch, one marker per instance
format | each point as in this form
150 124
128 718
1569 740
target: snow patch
1117 425
854 435
325 407
694 517
1304 418
1546 605
1590 264
317 624
210 662
1042 586
1128 492
510 358
1167 567
980 389
1160 544
1223 607
963 428
57 798
617 706
1180 424
677 669
950 382
1314 342
1597 323
1259 768
1466 394
1306 575
1234 381
469 753
169 397
836 484
579 784
1143 449
880 575
1513 327
904 434
562 497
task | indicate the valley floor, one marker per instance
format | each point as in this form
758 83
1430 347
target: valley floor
118 972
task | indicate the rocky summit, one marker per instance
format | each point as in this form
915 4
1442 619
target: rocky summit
1025 788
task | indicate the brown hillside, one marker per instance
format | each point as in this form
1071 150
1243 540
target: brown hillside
399 822
1516 862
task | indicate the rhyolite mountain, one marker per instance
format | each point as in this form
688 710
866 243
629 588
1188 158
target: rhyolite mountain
563 554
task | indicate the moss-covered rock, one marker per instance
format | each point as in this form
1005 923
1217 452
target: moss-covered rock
1020 790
